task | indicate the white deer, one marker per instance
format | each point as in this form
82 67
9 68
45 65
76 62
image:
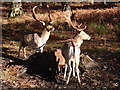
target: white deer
34 39
71 51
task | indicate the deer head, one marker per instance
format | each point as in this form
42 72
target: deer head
82 35
47 26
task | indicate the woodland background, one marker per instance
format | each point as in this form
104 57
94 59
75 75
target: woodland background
103 25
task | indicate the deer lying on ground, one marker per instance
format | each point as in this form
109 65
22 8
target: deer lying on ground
33 39
71 51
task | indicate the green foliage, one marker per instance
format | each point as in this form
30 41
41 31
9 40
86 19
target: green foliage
117 27
117 30
100 27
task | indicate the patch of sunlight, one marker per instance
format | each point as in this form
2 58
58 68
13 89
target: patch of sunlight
11 45
54 45
116 49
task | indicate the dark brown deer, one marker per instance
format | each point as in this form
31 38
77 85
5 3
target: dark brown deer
34 39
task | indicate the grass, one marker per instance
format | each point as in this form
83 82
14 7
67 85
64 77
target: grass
54 45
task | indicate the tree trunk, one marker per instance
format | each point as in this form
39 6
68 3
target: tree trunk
65 6
16 8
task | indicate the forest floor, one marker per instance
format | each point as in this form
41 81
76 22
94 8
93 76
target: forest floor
107 55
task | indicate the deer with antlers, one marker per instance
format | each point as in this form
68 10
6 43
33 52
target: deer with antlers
71 50
34 39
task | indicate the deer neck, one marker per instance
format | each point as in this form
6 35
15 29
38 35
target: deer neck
78 41
45 35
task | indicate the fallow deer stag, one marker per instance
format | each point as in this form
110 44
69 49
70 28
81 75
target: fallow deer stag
34 39
71 51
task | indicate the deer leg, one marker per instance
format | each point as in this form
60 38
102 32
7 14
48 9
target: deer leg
70 70
24 52
77 65
19 51
59 70
66 66
74 69
41 49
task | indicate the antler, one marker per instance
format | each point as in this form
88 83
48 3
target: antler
49 13
70 22
33 14
49 17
